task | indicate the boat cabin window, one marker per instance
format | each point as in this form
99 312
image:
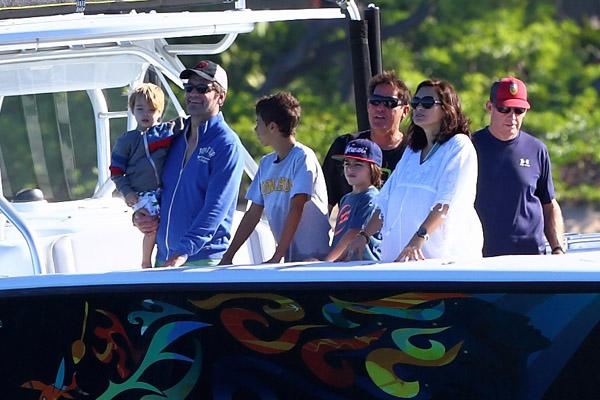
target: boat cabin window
48 141
117 100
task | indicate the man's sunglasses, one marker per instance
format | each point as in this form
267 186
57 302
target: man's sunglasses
200 88
506 110
426 102
387 101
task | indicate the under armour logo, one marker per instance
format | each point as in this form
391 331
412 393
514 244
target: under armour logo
524 162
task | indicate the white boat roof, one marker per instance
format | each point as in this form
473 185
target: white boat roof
83 52
576 267
79 29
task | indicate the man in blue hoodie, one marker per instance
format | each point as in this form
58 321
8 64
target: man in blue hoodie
201 177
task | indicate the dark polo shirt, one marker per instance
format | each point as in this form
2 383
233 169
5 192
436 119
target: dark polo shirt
514 180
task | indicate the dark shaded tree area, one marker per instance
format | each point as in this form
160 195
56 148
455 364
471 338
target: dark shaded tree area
553 46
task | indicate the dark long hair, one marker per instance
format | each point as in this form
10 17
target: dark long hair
453 123
376 175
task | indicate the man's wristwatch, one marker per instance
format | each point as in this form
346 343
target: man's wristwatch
422 233
558 248
365 235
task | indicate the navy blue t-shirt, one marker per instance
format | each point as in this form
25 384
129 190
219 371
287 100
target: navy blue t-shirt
514 180
355 210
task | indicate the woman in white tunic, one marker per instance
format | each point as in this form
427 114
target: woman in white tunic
427 203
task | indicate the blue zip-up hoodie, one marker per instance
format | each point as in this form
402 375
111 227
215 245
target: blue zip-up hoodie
199 198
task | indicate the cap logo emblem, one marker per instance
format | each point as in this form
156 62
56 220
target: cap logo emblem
202 65
513 88
352 149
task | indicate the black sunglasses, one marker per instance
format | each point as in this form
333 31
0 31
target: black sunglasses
506 110
387 101
426 102
200 88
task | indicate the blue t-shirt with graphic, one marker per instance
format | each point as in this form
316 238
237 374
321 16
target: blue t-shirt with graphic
514 181
355 209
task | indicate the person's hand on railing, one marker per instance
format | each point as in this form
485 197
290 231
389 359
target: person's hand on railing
356 248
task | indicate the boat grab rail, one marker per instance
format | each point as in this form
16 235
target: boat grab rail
13 216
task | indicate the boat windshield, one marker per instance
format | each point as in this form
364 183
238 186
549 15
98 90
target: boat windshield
49 142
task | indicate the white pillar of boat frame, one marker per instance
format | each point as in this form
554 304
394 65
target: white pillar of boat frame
167 88
2 164
2 168
13 216
9 212
36 143
102 135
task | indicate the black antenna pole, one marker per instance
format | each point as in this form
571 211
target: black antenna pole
372 16
361 70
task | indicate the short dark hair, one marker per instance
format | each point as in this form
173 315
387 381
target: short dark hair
281 108
454 121
390 78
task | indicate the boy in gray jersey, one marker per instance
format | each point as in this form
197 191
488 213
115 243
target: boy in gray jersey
289 186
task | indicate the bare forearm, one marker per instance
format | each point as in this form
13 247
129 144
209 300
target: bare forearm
291 225
374 224
340 248
413 249
355 248
244 230
435 218
553 224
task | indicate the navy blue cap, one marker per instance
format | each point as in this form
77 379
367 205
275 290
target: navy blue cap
362 150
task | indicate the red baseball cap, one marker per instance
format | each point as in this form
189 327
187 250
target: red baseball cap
509 92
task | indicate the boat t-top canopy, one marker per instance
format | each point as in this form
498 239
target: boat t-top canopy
94 52
37 8
83 52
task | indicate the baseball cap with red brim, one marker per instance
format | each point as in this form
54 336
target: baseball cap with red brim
362 150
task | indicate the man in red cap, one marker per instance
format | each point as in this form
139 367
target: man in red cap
515 193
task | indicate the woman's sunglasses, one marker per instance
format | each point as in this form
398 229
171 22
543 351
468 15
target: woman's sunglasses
426 102
200 88
387 101
506 110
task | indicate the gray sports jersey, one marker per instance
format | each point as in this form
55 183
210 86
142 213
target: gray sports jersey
273 187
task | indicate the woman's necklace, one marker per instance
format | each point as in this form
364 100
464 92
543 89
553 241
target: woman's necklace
432 151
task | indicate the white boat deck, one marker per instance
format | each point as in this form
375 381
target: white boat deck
576 267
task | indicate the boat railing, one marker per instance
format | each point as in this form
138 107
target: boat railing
68 40
13 216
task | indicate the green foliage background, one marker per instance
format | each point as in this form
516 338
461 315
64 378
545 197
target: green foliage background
467 43
553 46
